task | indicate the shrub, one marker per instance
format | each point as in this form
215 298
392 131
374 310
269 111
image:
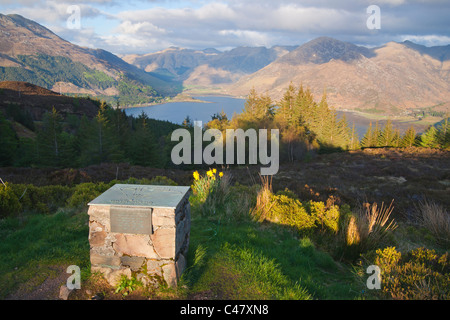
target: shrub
9 202
435 218
287 193
418 275
161 180
291 212
263 200
366 229
86 192
42 199
326 218
285 207
37 199
158 180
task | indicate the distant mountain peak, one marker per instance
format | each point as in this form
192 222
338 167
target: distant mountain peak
18 21
441 53
324 49
34 54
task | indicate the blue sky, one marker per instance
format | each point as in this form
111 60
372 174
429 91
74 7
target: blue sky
144 26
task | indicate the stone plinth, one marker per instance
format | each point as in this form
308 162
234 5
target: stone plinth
140 230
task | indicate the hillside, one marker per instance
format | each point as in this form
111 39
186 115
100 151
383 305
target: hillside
209 66
30 52
36 101
391 78
233 256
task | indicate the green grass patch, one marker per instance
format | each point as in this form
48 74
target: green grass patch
31 244
250 260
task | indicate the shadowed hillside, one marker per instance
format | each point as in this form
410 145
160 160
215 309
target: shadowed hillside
37 101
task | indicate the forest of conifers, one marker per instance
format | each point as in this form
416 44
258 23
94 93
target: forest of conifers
306 128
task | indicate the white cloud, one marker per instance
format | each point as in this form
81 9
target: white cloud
144 28
151 25
427 40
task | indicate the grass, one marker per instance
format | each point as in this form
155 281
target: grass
230 257
248 258
232 253
260 261
31 244
436 219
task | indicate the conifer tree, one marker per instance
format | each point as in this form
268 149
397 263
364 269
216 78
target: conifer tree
354 140
409 138
97 141
429 139
396 140
443 134
286 106
187 122
368 140
142 144
8 142
344 133
50 139
251 104
376 135
387 135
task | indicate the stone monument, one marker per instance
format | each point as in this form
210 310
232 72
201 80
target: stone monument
140 230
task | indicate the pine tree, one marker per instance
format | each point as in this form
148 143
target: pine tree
187 122
322 117
8 142
251 104
286 105
142 144
443 134
429 139
304 105
354 140
387 135
344 133
409 138
368 140
97 140
376 135
396 140
50 139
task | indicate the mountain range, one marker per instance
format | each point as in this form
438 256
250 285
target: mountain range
30 52
391 78
209 66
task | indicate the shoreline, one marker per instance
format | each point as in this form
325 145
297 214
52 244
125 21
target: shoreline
182 98
173 100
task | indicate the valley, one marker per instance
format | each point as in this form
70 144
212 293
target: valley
359 136
395 79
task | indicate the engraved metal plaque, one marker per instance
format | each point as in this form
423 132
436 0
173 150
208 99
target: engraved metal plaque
131 220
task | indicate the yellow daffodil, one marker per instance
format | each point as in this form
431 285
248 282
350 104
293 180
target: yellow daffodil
221 174
210 173
196 175
214 171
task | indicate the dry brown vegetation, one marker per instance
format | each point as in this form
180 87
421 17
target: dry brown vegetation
371 175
